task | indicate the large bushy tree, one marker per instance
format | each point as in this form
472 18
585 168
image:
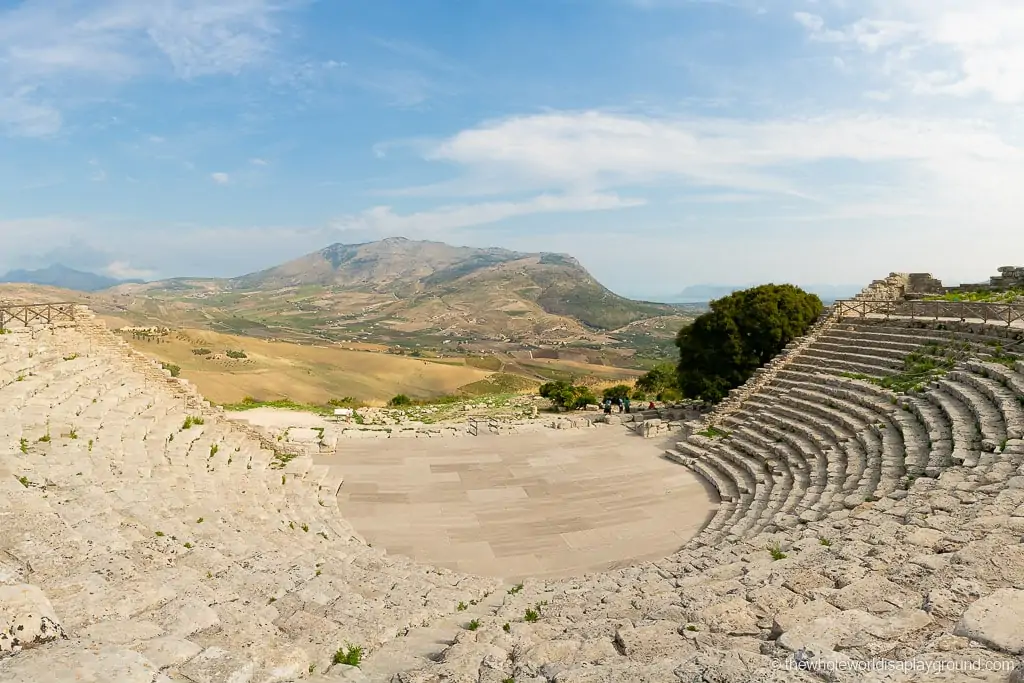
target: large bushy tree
721 349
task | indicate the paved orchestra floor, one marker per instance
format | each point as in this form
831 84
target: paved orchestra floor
551 503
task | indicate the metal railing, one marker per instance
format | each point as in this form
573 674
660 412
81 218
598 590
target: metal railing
1008 313
36 314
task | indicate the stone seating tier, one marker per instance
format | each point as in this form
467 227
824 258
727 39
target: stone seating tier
854 524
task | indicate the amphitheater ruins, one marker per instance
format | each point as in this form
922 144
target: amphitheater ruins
862 534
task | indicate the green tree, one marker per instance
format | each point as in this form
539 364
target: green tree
617 391
566 395
721 349
662 376
400 400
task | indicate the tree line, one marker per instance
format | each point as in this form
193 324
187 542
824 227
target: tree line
718 351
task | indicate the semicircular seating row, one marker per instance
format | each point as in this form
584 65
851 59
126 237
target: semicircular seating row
182 542
822 437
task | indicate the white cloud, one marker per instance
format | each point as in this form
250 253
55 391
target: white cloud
259 162
46 45
23 118
220 178
588 151
436 222
948 47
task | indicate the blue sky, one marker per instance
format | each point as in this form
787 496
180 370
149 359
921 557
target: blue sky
661 142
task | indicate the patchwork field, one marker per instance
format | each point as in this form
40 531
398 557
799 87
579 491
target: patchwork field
273 370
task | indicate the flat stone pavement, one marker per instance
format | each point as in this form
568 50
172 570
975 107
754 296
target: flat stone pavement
551 503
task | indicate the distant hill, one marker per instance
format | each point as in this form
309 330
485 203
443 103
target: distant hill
483 281
64 277
411 293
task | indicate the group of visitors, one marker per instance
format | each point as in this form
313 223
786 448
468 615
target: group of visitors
622 404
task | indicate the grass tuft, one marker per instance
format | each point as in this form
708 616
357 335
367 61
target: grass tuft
350 655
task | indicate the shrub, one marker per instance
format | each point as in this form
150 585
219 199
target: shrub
350 655
345 402
659 378
619 391
201 352
175 370
567 395
399 401
721 349
235 354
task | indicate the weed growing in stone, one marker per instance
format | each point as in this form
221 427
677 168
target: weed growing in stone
350 655
199 521
827 542
24 445
507 628
159 534
473 625
191 421
45 438
462 607
305 527
23 480
188 545
90 445
515 589
776 552
531 615
73 434
692 627
714 433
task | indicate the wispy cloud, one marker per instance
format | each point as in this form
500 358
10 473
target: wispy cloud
220 178
443 220
595 150
112 41
941 47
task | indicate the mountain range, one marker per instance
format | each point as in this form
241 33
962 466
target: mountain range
406 292
64 277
